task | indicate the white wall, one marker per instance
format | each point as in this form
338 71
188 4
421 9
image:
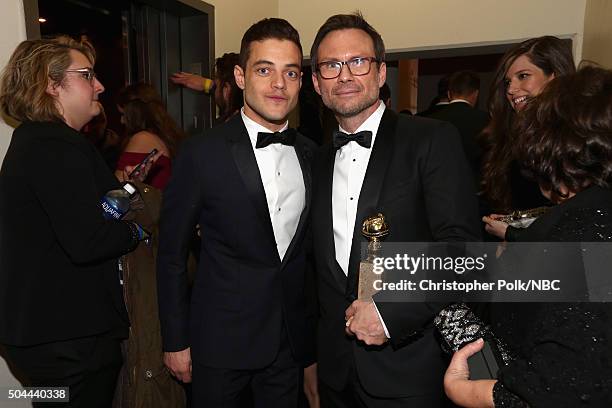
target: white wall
233 17
424 24
12 32
598 32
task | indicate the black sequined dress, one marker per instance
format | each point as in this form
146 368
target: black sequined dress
562 351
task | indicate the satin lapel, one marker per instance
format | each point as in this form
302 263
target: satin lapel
328 218
244 157
370 192
304 155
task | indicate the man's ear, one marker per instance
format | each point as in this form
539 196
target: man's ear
315 82
382 74
239 76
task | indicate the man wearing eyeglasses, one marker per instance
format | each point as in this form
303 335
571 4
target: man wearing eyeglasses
414 172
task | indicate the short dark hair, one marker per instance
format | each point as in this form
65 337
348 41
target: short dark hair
345 22
565 135
463 83
443 86
265 29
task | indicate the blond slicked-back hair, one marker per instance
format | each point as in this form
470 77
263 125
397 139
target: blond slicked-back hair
32 67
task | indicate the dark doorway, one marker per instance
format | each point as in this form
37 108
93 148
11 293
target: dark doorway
138 41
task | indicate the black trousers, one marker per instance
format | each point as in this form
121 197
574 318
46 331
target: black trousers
353 395
88 366
276 386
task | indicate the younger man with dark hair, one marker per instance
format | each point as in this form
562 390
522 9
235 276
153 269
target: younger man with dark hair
246 324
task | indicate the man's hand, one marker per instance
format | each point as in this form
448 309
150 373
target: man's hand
179 364
362 321
311 388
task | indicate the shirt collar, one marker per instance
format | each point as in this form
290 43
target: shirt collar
460 100
253 128
372 122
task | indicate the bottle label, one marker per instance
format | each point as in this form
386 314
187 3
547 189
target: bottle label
110 212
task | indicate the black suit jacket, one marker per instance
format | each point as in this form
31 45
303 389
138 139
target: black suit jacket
243 293
58 255
423 187
469 122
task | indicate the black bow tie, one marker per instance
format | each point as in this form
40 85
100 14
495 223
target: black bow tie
364 138
286 137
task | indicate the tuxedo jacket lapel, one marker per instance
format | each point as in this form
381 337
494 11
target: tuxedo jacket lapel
370 192
244 157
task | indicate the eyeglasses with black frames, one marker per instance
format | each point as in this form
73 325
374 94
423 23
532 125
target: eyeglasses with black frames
87 73
357 66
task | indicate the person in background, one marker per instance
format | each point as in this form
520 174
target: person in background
463 90
62 314
521 76
148 126
385 95
441 98
228 96
560 352
106 140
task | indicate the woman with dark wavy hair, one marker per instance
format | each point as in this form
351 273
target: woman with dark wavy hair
148 126
561 354
521 76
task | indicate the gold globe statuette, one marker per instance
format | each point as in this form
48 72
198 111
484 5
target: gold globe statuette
375 229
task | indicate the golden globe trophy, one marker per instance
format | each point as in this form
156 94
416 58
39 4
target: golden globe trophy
375 229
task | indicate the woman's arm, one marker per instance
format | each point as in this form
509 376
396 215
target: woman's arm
459 388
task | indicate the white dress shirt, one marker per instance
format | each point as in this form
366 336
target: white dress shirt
349 171
283 184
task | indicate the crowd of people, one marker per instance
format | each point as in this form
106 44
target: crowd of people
269 314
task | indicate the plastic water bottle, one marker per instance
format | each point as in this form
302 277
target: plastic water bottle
116 203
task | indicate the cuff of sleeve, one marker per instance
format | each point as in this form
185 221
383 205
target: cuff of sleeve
381 321
504 398
512 233
207 85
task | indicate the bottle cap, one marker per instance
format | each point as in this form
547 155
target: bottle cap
129 188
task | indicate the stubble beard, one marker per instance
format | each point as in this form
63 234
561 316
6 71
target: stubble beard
351 109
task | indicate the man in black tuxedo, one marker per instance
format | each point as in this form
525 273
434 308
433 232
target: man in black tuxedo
409 170
247 184
463 90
